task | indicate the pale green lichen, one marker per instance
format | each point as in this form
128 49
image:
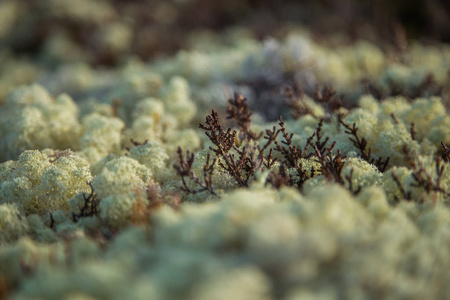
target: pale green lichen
121 175
38 186
148 239
101 136
153 156
31 119
12 226
302 237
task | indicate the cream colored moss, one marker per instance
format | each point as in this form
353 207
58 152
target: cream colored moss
337 209
273 239
396 74
135 82
99 165
14 71
409 183
374 199
150 107
396 136
390 187
12 225
116 37
121 175
31 95
101 134
61 48
254 243
39 230
159 129
369 103
84 11
364 174
28 253
187 139
116 210
141 289
37 186
73 76
153 156
31 119
9 15
301 237
305 294
244 283
434 218
422 112
177 100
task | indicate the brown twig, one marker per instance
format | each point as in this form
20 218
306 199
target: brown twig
328 99
349 178
90 206
421 176
136 144
361 145
298 107
412 131
445 153
184 170
237 109
396 121
331 164
279 178
406 195
52 220
223 140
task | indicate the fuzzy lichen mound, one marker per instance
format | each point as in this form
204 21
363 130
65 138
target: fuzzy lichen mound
117 191
252 243
31 119
101 136
153 156
120 185
38 186
12 225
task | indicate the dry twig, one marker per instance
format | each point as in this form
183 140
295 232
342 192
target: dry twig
90 205
184 170
361 145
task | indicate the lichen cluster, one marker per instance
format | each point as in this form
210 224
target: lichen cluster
341 198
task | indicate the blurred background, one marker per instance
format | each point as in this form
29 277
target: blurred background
102 32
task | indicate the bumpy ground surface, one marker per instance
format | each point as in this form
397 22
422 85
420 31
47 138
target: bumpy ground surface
298 166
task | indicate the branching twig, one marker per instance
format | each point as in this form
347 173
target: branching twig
318 135
298 107
361 145
406 195
328 99
445 152
136 143
223 140
238 110
331 164
184 170
90 206
291 153
412 131
279 178
421 176
52 220
396 121
349 178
